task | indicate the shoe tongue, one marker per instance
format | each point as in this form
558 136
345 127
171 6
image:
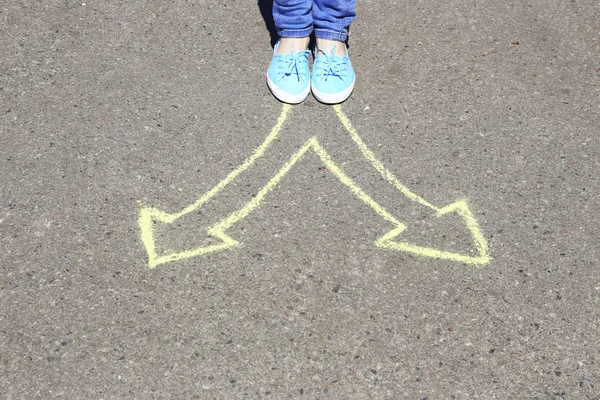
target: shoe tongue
331 53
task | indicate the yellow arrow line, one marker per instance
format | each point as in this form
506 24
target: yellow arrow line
461 207
219 229
148 215
259 152
369 155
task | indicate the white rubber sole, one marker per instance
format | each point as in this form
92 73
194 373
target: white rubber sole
335 98
285 96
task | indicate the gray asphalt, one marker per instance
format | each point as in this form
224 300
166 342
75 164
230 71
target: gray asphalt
108 107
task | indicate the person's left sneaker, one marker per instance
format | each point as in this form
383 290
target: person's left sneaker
332 77
288 76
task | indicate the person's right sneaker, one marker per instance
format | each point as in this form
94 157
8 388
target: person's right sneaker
332 77
288 76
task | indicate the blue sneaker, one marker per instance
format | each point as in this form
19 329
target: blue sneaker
332 77
288 76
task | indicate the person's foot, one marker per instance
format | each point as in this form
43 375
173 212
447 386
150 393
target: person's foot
287 44
288 76
332 75
324 46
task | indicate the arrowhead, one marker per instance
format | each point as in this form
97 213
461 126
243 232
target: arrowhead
149 217
462 209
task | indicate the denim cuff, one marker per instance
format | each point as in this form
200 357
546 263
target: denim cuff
295 33
331 35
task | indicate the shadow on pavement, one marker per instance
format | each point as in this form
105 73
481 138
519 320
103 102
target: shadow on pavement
266 10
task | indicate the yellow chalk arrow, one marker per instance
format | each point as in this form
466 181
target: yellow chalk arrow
149 215
460 207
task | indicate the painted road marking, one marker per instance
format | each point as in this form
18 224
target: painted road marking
148 216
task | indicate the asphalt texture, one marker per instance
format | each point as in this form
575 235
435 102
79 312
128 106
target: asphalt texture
108 107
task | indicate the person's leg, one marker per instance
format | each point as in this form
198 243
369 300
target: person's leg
288 76
332 19
332 76
294 22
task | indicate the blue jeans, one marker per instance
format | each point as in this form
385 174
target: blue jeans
330 19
